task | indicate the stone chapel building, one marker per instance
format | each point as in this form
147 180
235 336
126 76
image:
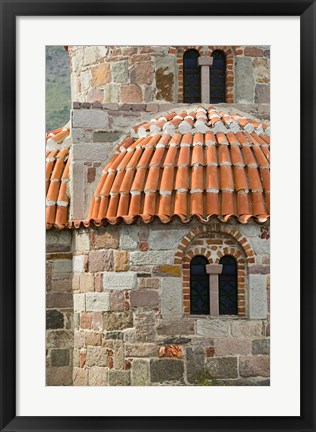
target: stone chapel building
157 219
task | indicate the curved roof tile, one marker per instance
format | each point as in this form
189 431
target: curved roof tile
199 164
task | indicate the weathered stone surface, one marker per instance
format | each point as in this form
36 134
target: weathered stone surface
59 376
212 327
140 373
96 356
83 152
246 328
80 377
232 346
111 93
166 370
61 266
224 367
117 320
101 75
261 346
98 302
171 298
78 339
245 83
61 285
54 319
262 70
161 238
141 298
131 93
167 270
78 263
58 241
98 376
106 136
119 281
254 366
261 246
59 339
114 335
59 300
60 357
100 260
142 73
245 382
262 93
120 71
79 302
259 269
176 341
175 327
144 323
118 354
85 78
95 95
253 52
129 237
164 84
117 301
140 350
119 378
152 257
195 368
91 55
120 260
90 119
105 238
257 296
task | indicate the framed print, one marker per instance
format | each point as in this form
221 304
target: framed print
170 285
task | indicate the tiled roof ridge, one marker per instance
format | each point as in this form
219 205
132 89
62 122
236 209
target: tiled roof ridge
201 164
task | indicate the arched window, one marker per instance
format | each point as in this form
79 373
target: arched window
199 286
218 77
228 286
191 77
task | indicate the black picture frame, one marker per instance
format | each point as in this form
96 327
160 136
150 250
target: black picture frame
9 10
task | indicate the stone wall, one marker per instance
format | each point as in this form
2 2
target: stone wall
59 308
129 321
146 74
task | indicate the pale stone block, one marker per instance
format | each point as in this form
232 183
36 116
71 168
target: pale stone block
161 238
96 356
171 298
98 376
111 93
245 82
120 281
140 373
59 376
98 302
253 366
81 241
59 339
129 237
152 257
257 296
78 263
80 377
119 378
212 328
85 78
91 55
233 346
240 328
79 302
120 71
91 152
261 246
86 282
90 119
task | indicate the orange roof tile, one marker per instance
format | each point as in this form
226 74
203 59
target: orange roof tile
199 164
57 177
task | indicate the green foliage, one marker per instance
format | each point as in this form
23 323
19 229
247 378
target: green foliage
58 92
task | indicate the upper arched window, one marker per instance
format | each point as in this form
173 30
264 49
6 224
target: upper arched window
199 286
228 286
191 77
218 77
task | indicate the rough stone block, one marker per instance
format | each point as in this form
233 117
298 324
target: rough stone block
144 323
261 346
164 370
262 93
242 329
90 119
61 285
195 367
129 237
88 152
61 266
120 71
98 376
152 257
101 260
98 302
119 378
78 263
142 73
79 302
165 238
54 319
105 238
212 328
93 338
224 367
81 242
78 339
167 270
140 350
58 241
119 281
140 373
148 282
171 298
253 52
117 320
59 339
101 75
254 366
118 354
143 298
59 300
80 377
175 327
111 93
60 357
245 82
131 93
120 261
96 356
106 137
257 296
232 346
262 70
59 376
86 283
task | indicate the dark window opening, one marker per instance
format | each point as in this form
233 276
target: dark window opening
228 286
199 286
218 77
191 77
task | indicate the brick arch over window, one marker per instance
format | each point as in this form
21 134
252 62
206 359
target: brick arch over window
213 242
230 76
